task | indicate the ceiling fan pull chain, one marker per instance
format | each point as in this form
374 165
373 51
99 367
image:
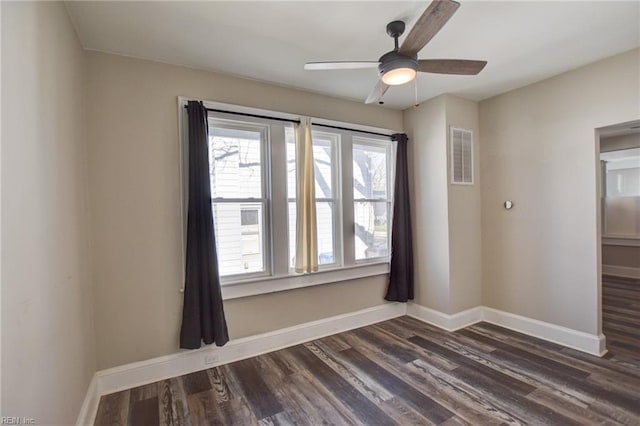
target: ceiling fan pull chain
415 86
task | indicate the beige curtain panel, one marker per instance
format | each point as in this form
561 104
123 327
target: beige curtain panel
306 228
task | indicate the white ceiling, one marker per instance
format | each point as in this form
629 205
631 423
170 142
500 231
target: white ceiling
270 41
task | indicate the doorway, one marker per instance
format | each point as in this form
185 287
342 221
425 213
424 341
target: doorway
620 237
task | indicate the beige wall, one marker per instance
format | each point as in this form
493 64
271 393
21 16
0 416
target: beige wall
465 236
48 345
427 150
446 218
541 259
135 205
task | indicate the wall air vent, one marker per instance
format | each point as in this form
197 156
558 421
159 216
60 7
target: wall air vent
461 156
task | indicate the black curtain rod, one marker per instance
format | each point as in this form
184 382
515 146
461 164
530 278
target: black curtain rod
351 130
289 120
244 114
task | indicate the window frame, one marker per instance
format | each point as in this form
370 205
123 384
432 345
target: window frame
336 192
390 178
280 276
214 120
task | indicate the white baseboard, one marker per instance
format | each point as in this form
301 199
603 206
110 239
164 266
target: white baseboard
621 271
585 342
185 362
447 322
579 340
90 404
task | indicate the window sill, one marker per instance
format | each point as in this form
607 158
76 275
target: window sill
273 284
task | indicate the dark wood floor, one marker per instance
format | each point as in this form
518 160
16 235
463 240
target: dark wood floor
403 371
621 314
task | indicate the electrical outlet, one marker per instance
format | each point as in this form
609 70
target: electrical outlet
211 359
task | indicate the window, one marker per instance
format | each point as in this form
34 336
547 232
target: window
371 198
621 190
325 148
622 172
236 152
253 194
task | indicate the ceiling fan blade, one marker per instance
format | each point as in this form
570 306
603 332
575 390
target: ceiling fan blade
377 92
451 66
341 65
428 25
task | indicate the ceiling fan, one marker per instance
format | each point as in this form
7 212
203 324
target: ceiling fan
401 64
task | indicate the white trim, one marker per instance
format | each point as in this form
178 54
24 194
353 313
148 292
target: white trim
277 275
621 271
89 407
185 362
618 240
579 340
447 322
585 342
289 282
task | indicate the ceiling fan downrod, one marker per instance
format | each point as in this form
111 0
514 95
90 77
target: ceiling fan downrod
395 30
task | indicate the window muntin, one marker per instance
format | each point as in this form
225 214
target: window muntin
325 149
237 153
371 199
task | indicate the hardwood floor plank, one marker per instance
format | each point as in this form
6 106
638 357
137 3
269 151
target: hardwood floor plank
255 390
236 412
173 403
366 411
461 397
336 361
567 408
388 345
440 385
403 371
144 392
461 360
113 409
196 382
309 403
399 350
532 358
144 412
420 402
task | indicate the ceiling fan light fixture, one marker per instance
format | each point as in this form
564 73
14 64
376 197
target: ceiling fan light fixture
397 69
398 76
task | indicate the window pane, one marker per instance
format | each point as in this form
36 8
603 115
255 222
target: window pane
325 220
369 172
235 161
623 182
623 172
322 155
371 229
239 237
291 162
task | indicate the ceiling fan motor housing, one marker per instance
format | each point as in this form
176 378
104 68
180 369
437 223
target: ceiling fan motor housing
394 60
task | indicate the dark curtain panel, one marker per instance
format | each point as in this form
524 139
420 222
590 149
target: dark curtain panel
202 314
401 274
